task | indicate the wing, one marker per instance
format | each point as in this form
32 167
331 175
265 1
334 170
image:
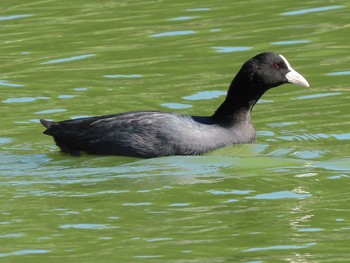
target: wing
144 134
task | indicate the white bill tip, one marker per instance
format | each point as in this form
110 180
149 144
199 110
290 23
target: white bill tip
293 76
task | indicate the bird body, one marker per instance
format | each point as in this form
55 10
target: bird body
155 133
139 136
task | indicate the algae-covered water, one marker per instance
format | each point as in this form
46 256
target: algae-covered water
284 199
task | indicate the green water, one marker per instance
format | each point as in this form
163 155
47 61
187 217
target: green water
284 199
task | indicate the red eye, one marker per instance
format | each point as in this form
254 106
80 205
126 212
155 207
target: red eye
276 65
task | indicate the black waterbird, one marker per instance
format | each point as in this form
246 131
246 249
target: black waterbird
155 133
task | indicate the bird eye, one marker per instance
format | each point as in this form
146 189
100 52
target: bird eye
277 65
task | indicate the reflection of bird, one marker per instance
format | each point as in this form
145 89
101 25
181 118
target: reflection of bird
154 133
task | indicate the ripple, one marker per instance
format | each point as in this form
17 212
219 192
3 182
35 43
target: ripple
159 239
309 154
174 33
335 177
110 192
315 136
235 192
312 10
341 136
130 76
280 152
264 101
339 73
4 18
281 124
80 117
65 96
15 235
80 89
335 165
5 83
50 111
25 252
179 204
85 226
303 137
24 99
230 49
231 201
148 256
5 140
176 105
265 133
206 95
319 95
279 247
306 175
61 60
138 204
291 42
183 18
280 195
310 229
198 9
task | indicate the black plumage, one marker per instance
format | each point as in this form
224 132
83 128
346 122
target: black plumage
155 133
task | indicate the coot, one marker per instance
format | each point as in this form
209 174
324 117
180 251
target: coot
154 133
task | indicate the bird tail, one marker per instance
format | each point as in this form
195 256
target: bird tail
47 125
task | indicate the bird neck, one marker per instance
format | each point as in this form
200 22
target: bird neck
240 100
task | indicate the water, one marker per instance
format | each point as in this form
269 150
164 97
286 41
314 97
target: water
284 199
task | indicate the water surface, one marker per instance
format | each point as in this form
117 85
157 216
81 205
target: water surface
284 199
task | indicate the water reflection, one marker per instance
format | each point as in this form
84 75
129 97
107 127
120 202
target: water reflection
80 89
280 195
65 96
312 10
5 140
183 18
50 111
5 83
291 42
86 226
25 252
198 9
280 247
244 199
176 105
302 136
24 99
206 95
174 33
339 73
123 76
5 18
310 229
231 49
319 95
61 60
